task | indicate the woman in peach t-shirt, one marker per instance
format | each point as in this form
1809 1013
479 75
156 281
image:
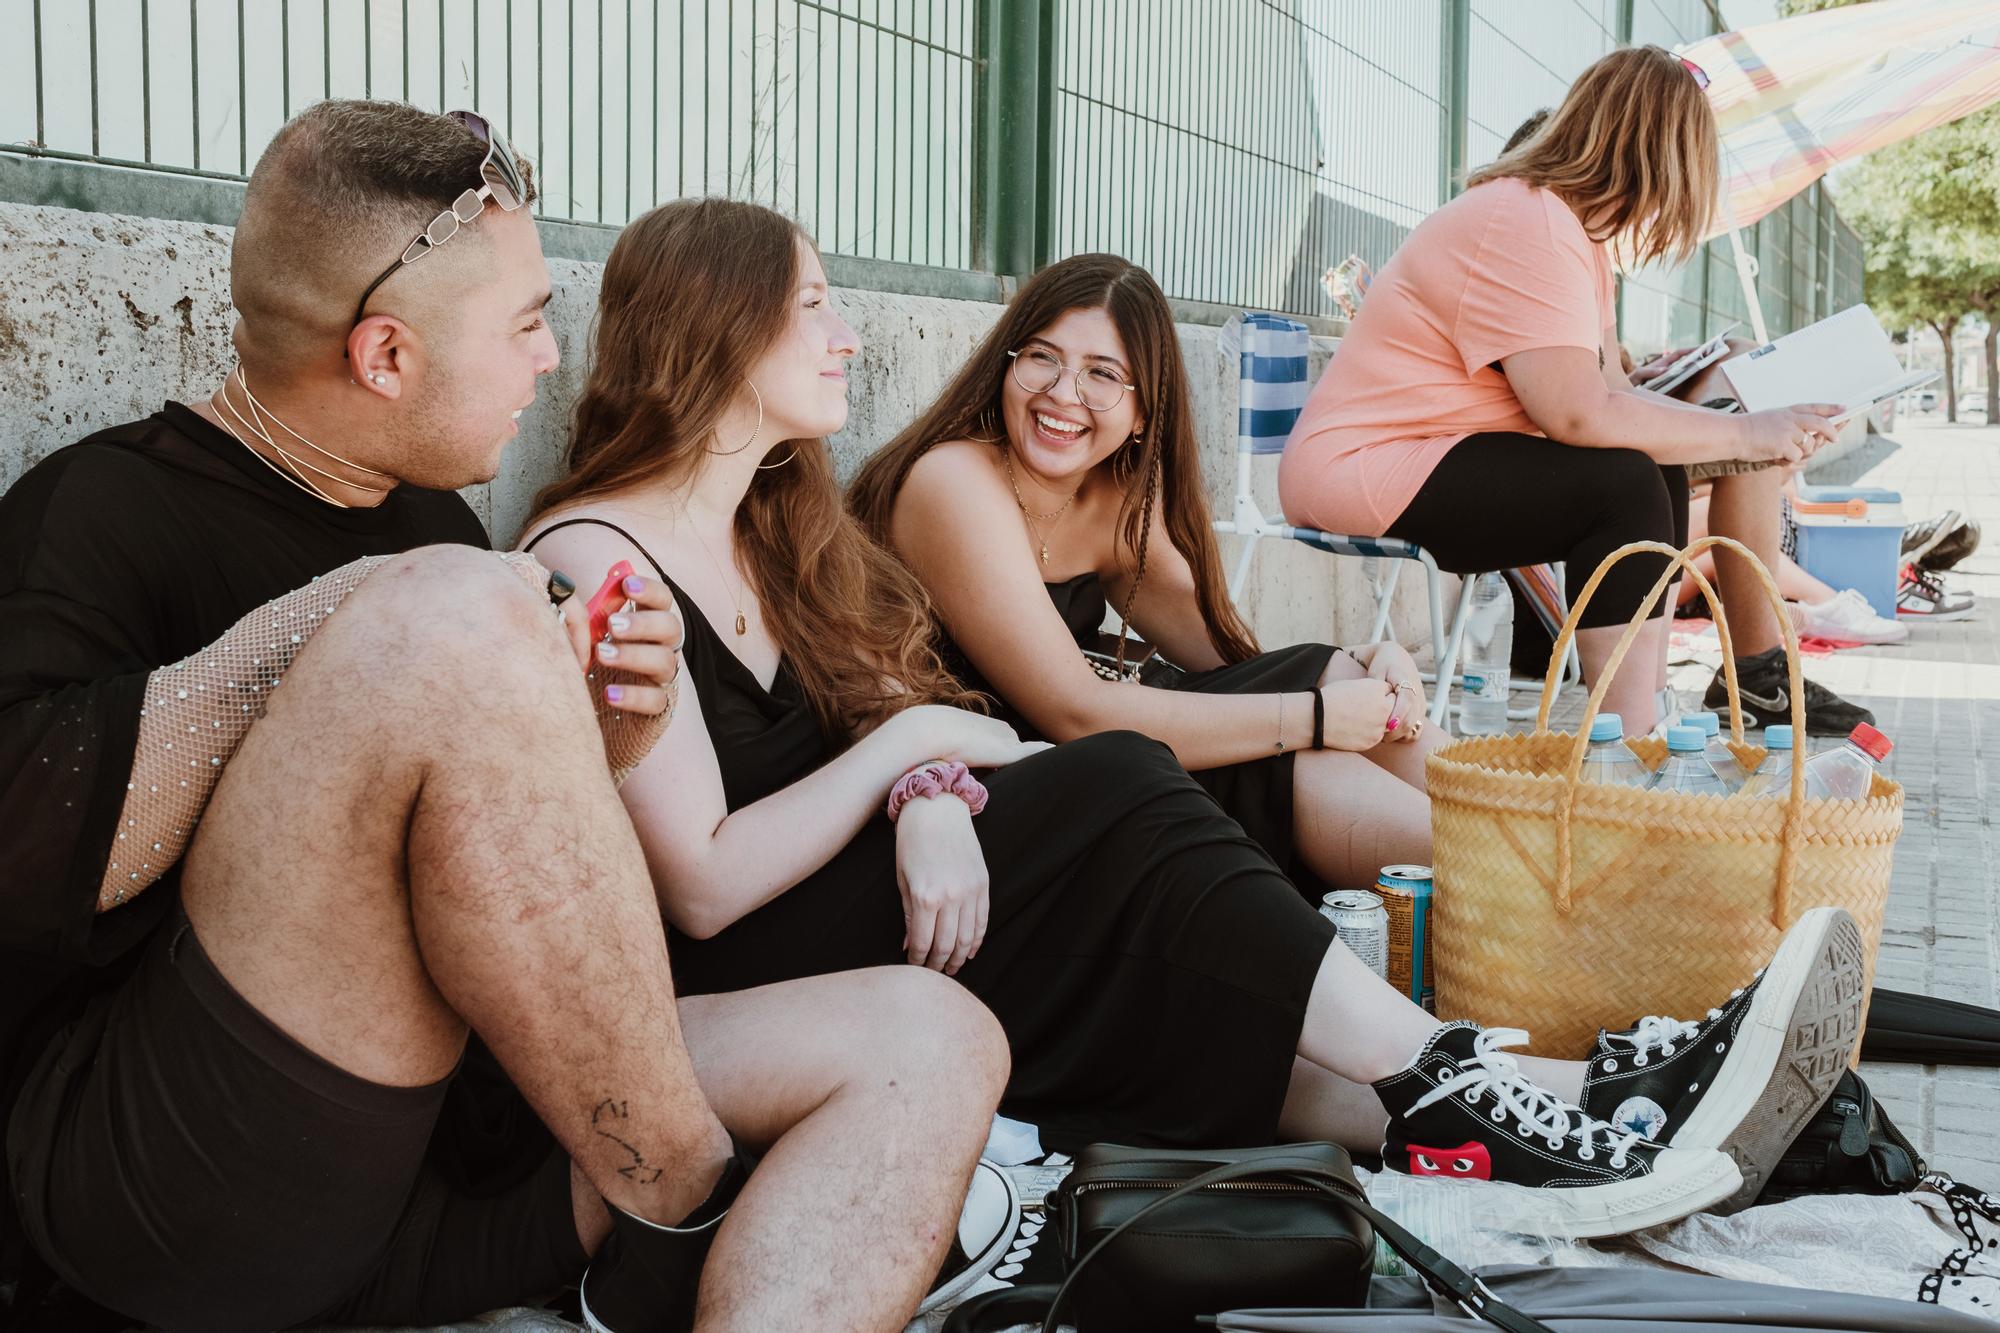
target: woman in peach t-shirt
1477 405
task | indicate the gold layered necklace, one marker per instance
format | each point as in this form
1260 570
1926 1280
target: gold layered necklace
1035 520
258 423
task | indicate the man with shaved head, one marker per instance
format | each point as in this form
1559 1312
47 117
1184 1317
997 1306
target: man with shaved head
338 988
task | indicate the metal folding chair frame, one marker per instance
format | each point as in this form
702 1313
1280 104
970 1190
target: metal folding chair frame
1447 640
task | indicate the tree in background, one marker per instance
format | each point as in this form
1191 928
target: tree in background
1929 210
1903 300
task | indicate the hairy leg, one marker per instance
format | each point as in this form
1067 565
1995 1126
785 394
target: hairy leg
421 835
870 1095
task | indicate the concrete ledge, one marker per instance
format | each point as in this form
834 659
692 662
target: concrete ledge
105 316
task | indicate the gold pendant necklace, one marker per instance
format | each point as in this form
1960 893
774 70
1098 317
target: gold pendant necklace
742 622
1034 528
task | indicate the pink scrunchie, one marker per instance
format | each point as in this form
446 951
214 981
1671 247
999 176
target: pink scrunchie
939 777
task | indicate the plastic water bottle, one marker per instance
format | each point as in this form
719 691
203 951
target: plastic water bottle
1720 757
1847 773
1489 651
1610 760
1687 768
1773 779
1473 1221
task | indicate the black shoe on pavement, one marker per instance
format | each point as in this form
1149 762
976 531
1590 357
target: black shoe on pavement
1767 699
1746 1077
645 1277
1463 1110
1936 544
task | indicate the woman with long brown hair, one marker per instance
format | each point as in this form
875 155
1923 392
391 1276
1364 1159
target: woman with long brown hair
810 809
1059 470
1478 405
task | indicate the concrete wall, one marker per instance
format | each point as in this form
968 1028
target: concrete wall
103 317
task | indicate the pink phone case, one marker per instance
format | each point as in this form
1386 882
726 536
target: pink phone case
604 602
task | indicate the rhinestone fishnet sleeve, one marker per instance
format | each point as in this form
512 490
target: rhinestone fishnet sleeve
628 737
196 712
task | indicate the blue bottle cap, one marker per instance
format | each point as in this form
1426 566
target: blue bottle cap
1686 738
1607 727
1709 723
1778 738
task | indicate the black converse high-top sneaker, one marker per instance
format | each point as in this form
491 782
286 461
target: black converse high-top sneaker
1463 1109
1746 1077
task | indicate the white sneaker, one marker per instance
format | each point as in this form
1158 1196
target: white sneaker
1846 616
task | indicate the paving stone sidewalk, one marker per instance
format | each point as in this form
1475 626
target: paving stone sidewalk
1938 698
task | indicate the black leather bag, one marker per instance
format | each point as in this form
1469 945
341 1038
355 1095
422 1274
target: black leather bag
1849 1147
1152 1240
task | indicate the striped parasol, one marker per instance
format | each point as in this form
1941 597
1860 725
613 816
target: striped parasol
1797 97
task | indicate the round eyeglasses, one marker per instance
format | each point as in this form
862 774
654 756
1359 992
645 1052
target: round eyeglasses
1098 388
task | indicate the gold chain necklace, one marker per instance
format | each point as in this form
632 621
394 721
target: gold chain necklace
742 623
1007 461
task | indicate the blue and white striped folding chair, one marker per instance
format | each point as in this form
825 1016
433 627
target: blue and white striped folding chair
1271 390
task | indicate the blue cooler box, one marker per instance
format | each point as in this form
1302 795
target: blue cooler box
1865 553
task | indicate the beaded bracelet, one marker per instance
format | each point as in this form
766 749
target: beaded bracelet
937 777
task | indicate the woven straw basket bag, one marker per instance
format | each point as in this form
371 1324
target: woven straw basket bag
1563 907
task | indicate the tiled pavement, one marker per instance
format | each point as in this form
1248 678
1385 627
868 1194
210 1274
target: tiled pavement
1938 698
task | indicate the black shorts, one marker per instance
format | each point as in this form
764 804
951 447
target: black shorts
178 1158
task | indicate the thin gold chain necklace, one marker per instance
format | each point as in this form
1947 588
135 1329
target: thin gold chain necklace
742 622
1034 528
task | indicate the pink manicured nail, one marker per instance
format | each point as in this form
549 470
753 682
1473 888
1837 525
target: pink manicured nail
1394 722
635 585
614 693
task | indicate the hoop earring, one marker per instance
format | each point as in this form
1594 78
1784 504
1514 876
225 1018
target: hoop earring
726 453
988 422
766 467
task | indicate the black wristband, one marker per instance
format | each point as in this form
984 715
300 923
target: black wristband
1319 720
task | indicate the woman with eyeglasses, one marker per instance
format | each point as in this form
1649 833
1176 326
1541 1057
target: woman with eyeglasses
821 802
1059 474
1477 405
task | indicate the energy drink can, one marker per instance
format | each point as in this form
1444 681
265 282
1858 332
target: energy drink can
1406 896
1364 927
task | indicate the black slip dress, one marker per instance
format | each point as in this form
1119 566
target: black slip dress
1256 793
1149 962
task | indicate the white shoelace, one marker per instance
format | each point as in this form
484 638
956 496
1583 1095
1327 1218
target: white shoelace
1656 1032
1490 1071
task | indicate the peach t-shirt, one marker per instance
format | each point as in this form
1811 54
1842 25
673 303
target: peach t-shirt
1504 268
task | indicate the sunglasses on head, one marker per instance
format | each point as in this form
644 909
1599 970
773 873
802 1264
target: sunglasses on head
1700 74
501 180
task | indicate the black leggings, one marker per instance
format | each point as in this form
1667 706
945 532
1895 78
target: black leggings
1502 500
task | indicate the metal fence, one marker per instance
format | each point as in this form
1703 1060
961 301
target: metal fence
1237 148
